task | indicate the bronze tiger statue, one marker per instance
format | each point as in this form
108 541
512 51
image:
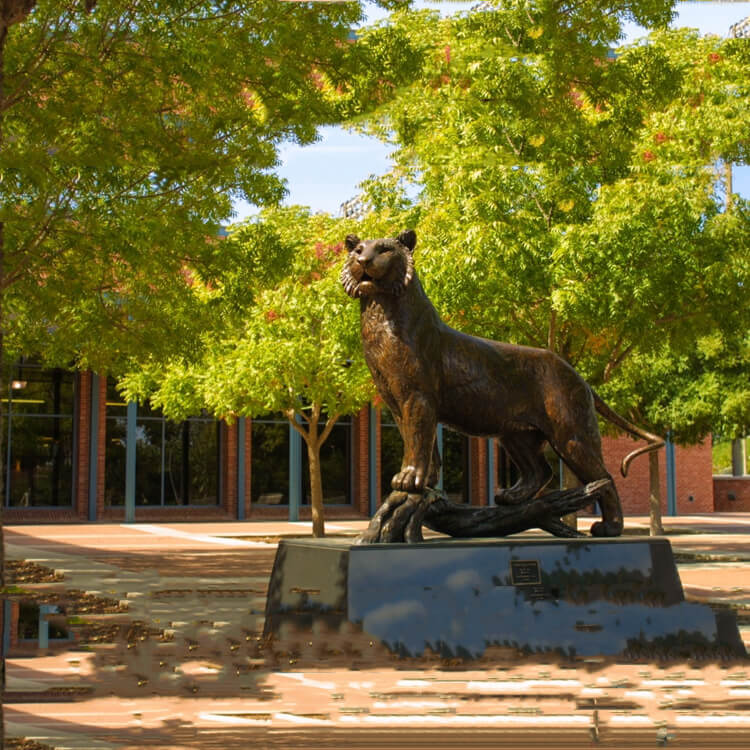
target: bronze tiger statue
427 372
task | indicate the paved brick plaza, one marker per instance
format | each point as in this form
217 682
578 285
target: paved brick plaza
174 657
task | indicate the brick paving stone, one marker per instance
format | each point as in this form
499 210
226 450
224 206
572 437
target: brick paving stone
185 667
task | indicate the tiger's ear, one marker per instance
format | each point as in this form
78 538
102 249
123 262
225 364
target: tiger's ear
351 241
408 238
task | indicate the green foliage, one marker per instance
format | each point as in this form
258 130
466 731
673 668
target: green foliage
570 197
126 131
275 335
293 344
693 391
722 455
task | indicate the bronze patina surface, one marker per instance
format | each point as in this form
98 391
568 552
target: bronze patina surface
427 372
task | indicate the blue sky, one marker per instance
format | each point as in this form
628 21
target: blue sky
325 174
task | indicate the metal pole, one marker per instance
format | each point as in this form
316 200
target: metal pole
440 451
8 447
130 463
7 613
490 471
671 478
739 459
44 610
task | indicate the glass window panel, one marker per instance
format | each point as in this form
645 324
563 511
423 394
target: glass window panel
177 463
38 391
455 465
114 459
115 403
28 621
41 462
335 465
191 461
148 463
269 475
203 462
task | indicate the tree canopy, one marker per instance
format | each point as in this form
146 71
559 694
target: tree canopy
127 128
570 190
276 335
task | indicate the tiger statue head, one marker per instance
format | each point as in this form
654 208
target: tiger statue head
384 266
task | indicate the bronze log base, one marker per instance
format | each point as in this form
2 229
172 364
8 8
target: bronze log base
401 517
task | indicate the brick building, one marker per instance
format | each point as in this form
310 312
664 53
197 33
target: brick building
74 451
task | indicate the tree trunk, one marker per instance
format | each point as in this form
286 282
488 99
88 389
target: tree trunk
654 501
316 484
313 440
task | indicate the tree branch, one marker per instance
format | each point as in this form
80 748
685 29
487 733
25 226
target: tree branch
551 332
291 415
329 426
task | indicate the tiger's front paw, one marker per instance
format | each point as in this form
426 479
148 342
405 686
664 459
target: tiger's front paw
409 479
607 528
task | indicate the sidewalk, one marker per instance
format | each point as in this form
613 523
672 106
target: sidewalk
177 661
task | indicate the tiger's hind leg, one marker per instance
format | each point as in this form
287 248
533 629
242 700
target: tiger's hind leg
584 458
525 447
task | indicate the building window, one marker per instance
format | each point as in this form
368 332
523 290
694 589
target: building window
335 465
272 456
39 448
269 475
176 463
29 617
455 455
115 446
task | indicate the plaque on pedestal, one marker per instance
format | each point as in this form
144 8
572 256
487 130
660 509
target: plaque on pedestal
575 597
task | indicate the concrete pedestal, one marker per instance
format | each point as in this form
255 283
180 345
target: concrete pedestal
579 597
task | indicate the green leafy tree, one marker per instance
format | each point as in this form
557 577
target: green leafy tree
569 190
277 335
570 197
692 393
127 128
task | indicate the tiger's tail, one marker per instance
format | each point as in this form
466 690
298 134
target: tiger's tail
654 441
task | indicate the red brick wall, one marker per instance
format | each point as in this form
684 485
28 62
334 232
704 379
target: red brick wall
84 439
174 513
738 487
693 468
378 456
15 616
478 464
100 455
228 501
361 432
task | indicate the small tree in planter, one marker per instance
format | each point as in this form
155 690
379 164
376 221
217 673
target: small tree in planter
286 340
